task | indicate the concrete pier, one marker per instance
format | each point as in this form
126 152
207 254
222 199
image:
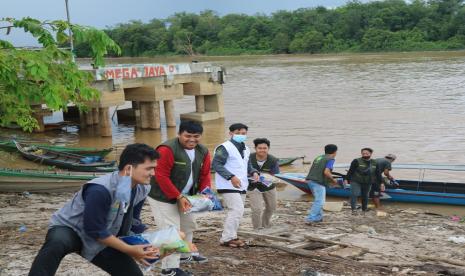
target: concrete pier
148 86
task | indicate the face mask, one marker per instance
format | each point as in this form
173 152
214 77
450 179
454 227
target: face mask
239 138
123 190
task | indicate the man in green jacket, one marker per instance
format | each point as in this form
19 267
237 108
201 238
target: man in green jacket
362 175
263 162
183 169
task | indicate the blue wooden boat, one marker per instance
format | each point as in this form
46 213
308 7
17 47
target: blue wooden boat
418 191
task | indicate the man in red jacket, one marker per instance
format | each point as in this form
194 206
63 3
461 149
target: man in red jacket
183 169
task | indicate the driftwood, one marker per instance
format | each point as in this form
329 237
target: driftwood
440 259
390 264
318 257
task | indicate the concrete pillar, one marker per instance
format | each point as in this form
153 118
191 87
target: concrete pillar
82 120
215 103
150 115
200 104
169 113
89 118
136 109
95 116
105 121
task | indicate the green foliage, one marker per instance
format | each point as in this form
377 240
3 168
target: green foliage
389 25
47 75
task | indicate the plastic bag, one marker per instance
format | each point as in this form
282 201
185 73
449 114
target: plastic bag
136 240
167 240
200 203
264 181
214 198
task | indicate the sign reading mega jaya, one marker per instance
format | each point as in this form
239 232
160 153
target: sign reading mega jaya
134 71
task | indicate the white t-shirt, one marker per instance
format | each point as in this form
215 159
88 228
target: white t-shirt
190 182
261 163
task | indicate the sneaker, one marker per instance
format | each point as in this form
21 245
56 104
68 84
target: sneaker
175 272
311 222
199 259
354 213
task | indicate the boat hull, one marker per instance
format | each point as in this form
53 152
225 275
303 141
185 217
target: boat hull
9 146
15 180
395 195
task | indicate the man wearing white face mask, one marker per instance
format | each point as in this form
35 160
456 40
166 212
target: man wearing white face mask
232 167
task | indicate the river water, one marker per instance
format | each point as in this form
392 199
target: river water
410 104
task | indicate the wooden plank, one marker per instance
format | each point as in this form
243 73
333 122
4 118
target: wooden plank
317 239
268 237
440 259
299 245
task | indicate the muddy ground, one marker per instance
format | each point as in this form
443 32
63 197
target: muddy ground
405 242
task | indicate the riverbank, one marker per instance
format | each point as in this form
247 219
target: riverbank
405 242
258 57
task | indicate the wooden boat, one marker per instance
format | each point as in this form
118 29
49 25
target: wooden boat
287 161
418 191
10 146
62 160
34 181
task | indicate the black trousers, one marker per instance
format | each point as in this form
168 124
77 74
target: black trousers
61 241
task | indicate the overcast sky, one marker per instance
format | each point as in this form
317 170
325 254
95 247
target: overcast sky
102 13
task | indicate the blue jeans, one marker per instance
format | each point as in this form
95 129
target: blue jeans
319 197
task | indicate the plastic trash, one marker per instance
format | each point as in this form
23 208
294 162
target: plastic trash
22 228
136 240
264 181
200 203
457 239
26 194
167 240
217 206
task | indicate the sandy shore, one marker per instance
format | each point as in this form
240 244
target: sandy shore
398 244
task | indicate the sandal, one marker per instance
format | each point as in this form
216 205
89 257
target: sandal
240 243
230 243
234 243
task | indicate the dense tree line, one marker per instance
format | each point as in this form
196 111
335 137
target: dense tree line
390 25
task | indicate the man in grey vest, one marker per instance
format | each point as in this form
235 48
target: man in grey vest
320 175
104 208
183 169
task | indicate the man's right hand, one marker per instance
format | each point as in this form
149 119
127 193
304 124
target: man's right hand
236 182
184 204
141 252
